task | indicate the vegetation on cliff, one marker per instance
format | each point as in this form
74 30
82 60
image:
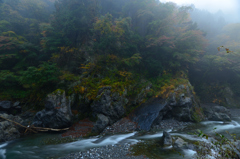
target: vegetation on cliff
83 45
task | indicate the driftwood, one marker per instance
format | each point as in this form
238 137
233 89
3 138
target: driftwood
33 128
27 128
48 129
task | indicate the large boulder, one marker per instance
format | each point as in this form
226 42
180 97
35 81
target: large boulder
150 113
166 139
111 104
57 113
9 130
101 123
216 113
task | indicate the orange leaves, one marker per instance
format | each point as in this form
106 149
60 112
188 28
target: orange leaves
227 49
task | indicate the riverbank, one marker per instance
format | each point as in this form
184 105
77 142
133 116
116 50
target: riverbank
118 151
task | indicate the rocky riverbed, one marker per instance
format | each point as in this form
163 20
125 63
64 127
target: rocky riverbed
118 151
121 151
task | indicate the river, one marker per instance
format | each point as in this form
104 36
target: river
35 147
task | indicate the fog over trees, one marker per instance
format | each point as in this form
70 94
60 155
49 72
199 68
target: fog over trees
48 44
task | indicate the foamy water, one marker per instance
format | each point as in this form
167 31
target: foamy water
3 151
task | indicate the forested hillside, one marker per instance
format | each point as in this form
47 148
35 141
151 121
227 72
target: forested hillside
82 45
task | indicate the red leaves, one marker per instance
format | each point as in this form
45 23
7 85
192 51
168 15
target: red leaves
227 49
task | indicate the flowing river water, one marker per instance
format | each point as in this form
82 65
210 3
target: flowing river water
34 147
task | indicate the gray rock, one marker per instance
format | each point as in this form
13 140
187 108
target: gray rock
180 143
178 106
10 108
57 113
101 123
9 130
216 113
16 104
109 104
5 105
166 139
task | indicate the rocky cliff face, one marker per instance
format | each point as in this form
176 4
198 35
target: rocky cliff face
180 105
57 112
109 107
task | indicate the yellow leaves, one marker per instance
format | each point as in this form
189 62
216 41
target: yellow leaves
68 49
87 66
125 73
105 26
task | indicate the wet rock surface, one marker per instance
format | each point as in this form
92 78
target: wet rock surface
118 151
166 139
8 130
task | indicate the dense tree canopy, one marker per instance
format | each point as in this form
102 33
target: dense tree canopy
45 41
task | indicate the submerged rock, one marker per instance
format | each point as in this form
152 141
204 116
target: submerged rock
57 113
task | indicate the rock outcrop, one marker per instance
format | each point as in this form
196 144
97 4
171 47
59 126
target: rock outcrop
110 104
179 105
57 113
182 101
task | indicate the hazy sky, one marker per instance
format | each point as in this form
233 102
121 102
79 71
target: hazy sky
229 7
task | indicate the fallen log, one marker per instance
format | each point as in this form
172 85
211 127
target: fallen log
48 129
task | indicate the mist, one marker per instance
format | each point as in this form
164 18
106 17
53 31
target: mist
229 8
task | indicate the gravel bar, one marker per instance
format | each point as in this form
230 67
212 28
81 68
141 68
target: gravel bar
118 151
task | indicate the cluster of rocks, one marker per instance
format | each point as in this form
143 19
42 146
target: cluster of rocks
9 130
175 142
118 151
